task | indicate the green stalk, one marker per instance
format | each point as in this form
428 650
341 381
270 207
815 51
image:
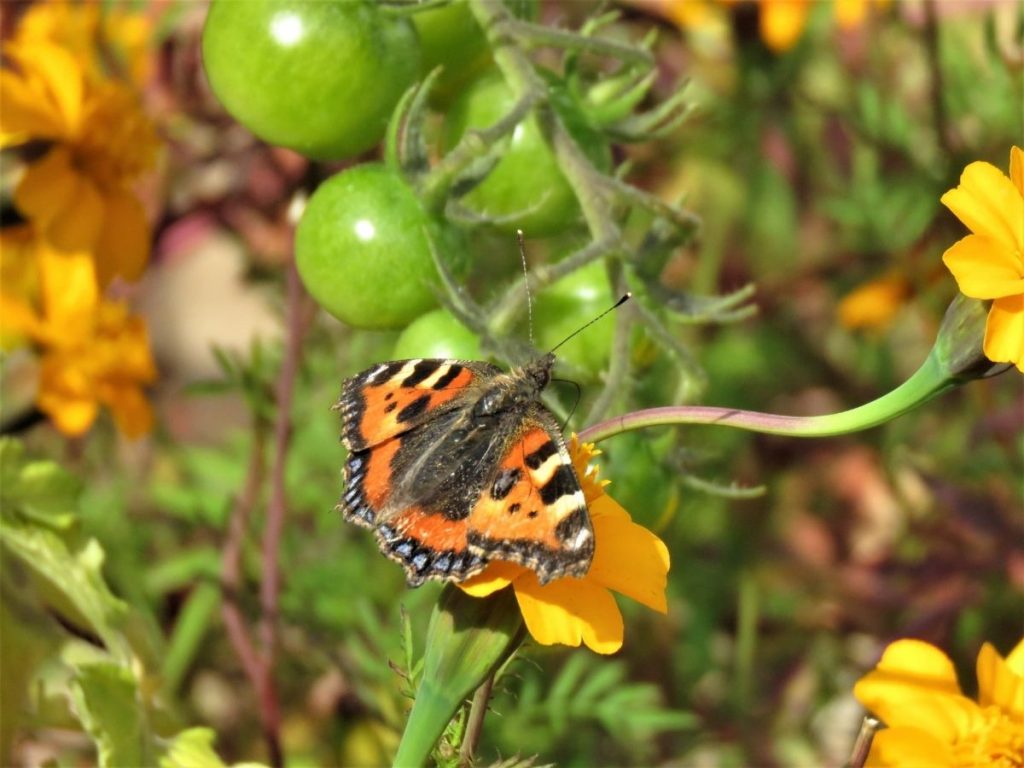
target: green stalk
926 383
955 358
468 639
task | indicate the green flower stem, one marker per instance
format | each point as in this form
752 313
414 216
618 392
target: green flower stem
956 358
469 638
930 380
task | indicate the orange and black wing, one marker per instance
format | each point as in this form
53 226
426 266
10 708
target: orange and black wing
391 413
532 511
390 398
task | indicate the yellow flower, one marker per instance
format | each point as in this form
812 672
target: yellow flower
93 352
627 558
78 194
99 36
780 22
989 263
914 691
873 305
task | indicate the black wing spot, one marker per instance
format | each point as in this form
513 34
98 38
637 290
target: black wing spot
421 371
542 454
504 483
414 409
389 395
532 514
515 507
449 377
562 483
390 407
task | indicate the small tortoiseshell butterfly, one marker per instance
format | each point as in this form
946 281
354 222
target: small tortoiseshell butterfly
455 463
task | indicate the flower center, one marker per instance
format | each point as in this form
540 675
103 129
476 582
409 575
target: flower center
117 141
997 740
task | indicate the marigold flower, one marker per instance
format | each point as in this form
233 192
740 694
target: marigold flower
915 692
78 194
93 352
627 558
989 263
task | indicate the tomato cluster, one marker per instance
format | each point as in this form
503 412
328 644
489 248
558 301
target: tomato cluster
323 79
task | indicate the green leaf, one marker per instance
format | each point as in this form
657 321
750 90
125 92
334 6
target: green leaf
38 490
71 582
105 697
192 748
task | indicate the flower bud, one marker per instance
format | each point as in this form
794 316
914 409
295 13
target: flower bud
959 346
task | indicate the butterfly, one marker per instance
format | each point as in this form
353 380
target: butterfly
455 463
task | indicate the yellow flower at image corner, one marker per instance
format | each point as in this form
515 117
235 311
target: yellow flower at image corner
78 194
628 559
989 262
872 305
914 691
93 352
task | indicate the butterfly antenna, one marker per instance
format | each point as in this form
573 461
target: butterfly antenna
626 297
526 279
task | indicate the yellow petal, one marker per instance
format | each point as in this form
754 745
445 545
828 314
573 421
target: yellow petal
873 304
850 13
131 411
70 295
497 575
1004 331
908 748
66 394
782 22
1015 660
628 558
907 670
62 76
1017 168
17 318
25 115
985 268
569 610
998 684
47 187
77 226
122 248
989 204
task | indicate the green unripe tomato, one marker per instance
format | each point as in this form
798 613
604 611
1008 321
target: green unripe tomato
362 249
437 334
527 186
318 77
567 306
451 38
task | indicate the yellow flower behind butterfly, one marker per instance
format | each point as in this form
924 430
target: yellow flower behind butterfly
989 262
78 194
93 352
914 691
628 559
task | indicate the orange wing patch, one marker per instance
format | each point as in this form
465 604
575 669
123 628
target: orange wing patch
534 513
391 398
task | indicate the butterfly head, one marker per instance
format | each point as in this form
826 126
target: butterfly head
538 372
